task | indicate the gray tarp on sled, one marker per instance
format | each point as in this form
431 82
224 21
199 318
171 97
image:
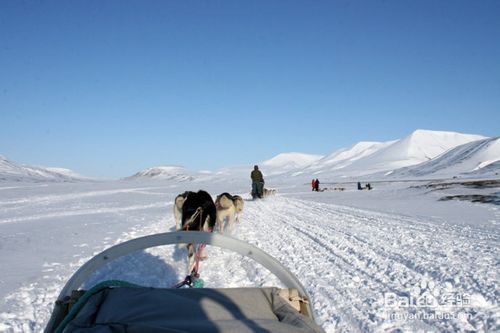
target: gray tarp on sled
138 310
127 308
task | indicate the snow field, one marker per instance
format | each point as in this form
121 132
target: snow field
351 260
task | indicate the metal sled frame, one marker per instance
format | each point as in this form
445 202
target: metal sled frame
181 237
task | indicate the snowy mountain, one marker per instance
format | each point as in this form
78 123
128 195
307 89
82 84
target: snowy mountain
176 173
362 159
479 157
286 162
420 146
11 171
66 172
342 158
367 158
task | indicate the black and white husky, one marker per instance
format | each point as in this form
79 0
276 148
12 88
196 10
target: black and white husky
198 214
198 211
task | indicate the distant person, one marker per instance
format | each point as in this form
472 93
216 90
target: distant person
313 184
257 183
368 186
316 185
359 186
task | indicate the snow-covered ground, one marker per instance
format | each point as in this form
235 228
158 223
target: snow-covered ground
368 258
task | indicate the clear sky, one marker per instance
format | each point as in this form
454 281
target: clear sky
108 88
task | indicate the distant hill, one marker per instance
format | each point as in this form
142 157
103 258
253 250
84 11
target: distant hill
420 146
287 162
343 158
15 172
480 157
176 173
423 153
66 172
367 158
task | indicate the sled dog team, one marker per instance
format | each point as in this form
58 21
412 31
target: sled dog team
197 211
225 210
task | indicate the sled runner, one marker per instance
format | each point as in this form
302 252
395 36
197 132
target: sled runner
118 306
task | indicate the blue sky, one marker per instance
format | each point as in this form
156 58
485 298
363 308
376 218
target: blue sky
108 88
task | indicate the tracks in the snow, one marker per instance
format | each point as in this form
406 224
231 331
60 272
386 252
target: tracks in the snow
354 256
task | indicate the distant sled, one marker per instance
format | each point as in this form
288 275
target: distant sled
118 306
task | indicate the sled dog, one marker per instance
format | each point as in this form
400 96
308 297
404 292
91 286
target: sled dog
238 204
269 192
198 214
228 209
178 203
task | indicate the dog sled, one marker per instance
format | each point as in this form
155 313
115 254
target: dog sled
119 306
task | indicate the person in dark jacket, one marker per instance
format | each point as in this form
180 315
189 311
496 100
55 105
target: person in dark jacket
257 182
316 185
359 186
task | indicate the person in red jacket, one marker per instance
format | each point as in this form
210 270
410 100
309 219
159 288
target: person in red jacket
313 184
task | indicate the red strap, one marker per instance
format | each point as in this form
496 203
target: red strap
197 258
